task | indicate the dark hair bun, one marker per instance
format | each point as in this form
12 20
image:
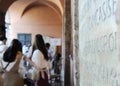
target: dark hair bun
9 56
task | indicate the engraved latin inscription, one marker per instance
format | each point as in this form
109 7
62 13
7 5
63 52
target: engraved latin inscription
103 44
99 44
101 74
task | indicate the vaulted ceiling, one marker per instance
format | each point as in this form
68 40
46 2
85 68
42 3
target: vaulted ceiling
5 4
43 15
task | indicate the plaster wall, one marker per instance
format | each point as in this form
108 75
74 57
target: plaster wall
42 20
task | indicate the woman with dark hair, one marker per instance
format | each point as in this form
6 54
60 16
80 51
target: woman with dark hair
12 65
11 52
41 60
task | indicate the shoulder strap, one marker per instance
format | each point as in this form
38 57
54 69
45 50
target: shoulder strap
4 69
6 66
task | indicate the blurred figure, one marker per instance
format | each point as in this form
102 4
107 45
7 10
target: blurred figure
57 64
49 51
12 59
3 47
41 60
29 56
24 49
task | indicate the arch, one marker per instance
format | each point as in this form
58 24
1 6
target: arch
34 4
55 6
50 4
23 6
20 6
19 10
5 4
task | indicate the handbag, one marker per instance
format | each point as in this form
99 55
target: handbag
31 77
12 77
32 74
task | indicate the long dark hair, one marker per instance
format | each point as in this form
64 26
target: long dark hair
39 44
11 52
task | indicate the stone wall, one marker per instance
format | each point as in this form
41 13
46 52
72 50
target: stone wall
99 43
76 43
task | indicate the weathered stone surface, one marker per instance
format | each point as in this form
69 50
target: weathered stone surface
99 43
67 44
76 43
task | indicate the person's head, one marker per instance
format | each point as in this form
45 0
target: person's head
16 44
3 38
58 56
11 52
39 44
47 45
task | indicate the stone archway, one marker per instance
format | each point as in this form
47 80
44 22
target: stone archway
67 36
5 4
31 3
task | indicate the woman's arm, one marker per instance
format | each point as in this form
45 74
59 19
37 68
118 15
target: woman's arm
31 62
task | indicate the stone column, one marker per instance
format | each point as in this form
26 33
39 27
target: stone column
4 5
75 69
76 43
67 40
2 23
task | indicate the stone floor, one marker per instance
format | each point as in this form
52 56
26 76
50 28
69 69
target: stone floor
56 83
56 80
